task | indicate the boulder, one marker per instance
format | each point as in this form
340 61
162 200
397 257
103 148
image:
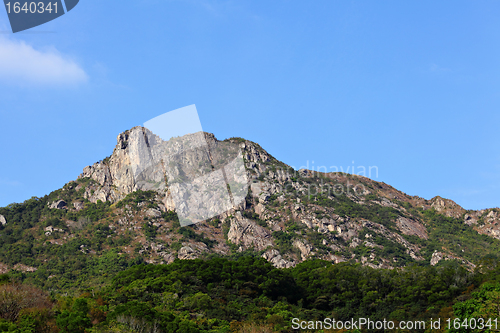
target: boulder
3 221
304 248
275 258
187 252
152 212
78 205
247 233
59 204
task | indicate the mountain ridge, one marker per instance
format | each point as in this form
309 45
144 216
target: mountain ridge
287 217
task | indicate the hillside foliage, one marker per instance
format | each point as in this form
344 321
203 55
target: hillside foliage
221 295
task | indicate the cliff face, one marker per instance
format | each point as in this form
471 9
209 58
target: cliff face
197 175
115 175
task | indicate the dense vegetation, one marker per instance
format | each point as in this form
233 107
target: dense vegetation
221 295
453 234
91 278
22 241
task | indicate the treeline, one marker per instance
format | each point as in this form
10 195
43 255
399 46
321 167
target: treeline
250 295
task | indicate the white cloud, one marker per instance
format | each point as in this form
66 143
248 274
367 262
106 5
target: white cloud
20 63
9 182
437 68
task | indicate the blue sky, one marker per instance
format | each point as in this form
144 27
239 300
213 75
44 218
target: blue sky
411 87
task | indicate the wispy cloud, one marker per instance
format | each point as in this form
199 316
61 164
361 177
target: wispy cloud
437 68
465 192
22 64
9 182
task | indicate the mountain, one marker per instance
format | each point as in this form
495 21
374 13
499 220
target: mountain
107 220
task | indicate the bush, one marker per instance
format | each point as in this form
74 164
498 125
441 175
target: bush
16 297
188 234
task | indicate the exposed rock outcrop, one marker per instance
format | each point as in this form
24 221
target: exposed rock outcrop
24 268
50 229
78 205
411 227
275 258
447 207
247 233
153 212
438 256
304 248
143 161
187 252
470 219
412 249
59 204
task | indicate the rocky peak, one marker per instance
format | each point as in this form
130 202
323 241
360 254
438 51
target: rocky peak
447 207
288 215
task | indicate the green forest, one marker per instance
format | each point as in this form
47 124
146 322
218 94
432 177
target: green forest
250 295
88 283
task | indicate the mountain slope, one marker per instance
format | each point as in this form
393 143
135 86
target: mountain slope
104 222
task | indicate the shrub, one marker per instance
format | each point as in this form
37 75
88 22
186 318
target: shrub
15 297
